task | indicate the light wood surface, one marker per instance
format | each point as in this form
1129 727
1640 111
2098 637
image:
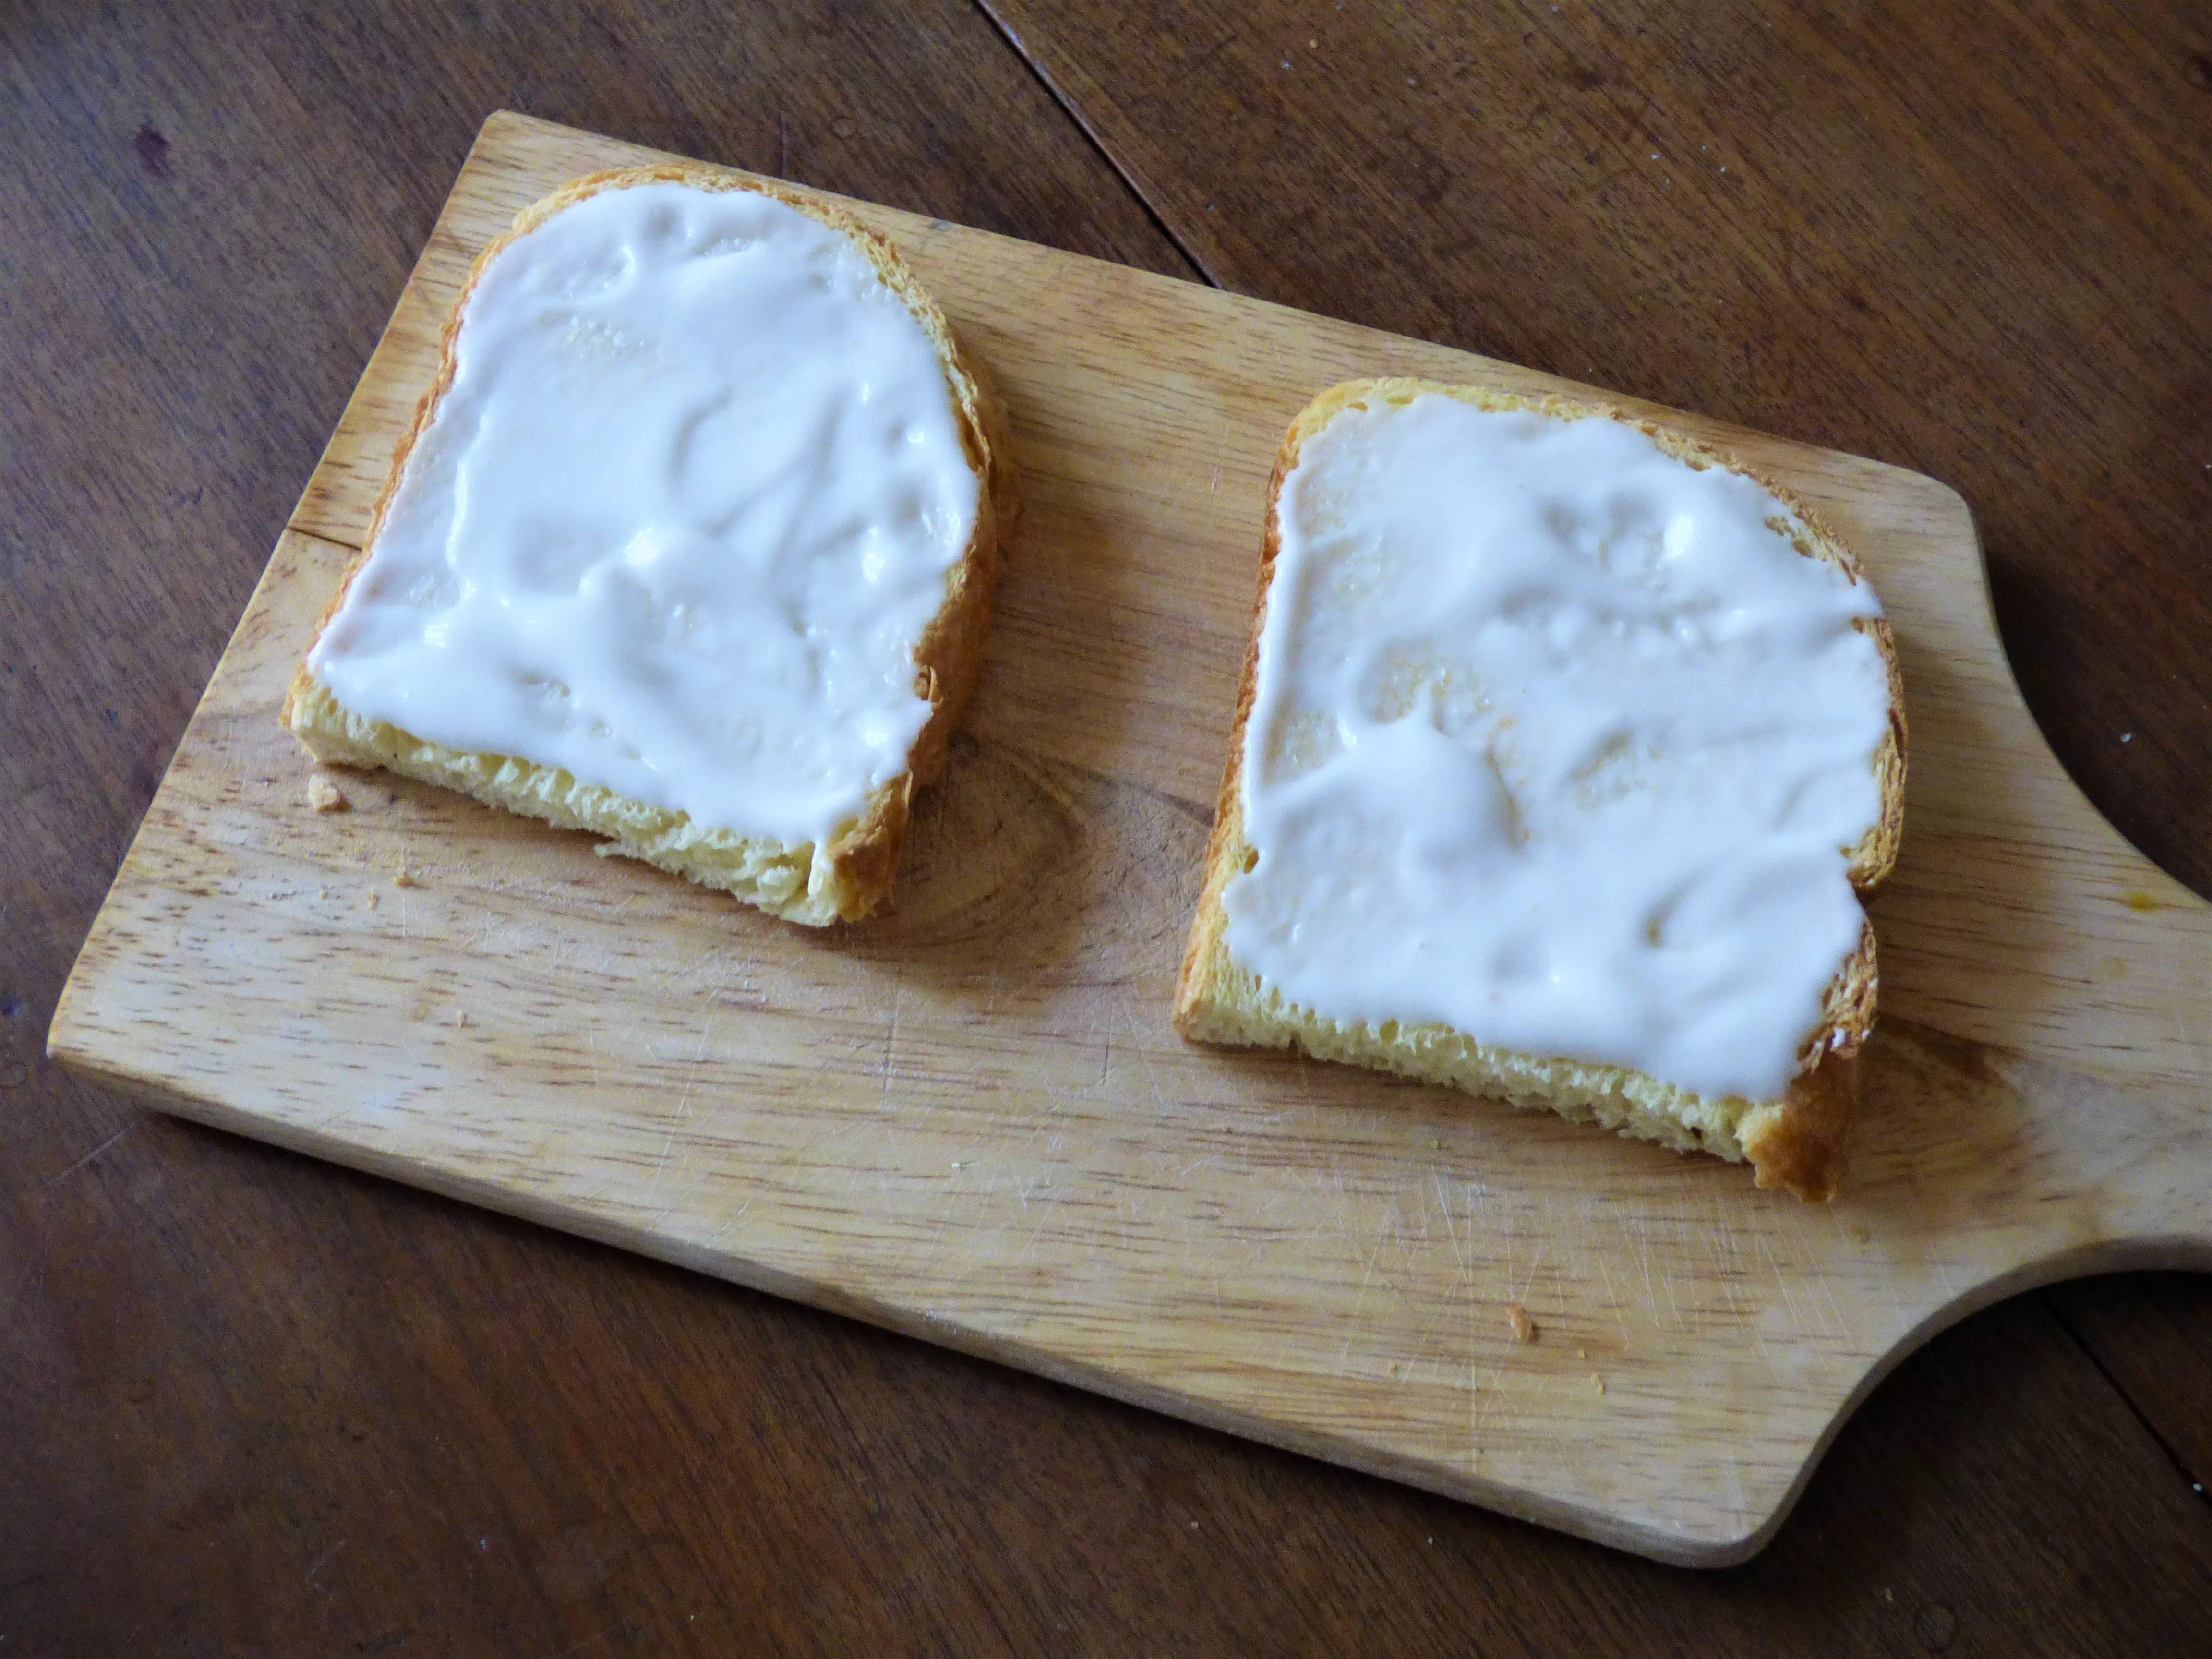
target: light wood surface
969 1122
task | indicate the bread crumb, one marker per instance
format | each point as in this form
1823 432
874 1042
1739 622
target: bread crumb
1524 1329
460 1015
1597 1382
324 795
1582 1353
374 900
403 879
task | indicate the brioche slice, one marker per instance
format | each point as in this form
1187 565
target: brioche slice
690 545
1534 800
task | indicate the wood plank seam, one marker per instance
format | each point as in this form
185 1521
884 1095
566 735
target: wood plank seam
1060 96
2192 1478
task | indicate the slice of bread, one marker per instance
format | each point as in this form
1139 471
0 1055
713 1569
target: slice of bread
836 876
1794 1140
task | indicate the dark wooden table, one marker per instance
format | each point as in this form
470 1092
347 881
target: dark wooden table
249 1403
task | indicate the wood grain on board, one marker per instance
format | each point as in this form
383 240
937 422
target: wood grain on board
970 1121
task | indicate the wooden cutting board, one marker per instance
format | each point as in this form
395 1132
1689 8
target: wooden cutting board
969 1122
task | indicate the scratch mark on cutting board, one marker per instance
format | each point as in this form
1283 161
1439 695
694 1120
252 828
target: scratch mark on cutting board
1478 1396
591 1047
1613 1299
390 1099
1529 1285
683 1107
1485 1399
1135 1034
1649 1302
1837 1323
1767 1353
1676 1323
1042 1215
1460 1248
1781 1281
1367 1277
890 1033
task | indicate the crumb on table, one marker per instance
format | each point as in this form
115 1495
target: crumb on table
324 795
1524 1329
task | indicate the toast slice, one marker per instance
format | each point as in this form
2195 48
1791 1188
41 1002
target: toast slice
807 820
1794 1132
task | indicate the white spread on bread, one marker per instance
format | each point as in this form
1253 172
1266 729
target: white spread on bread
1557 741
679 523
